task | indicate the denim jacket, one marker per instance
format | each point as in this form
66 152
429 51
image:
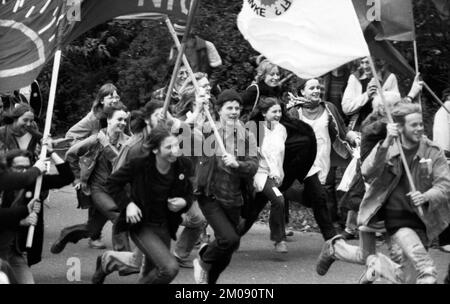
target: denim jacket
216 180
83 156
383 168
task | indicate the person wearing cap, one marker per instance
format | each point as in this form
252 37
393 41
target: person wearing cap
218 185
201 54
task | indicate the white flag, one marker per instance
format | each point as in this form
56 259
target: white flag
307 37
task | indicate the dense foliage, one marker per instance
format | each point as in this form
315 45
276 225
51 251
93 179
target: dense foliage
133 55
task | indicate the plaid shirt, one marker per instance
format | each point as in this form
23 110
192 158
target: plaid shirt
223 183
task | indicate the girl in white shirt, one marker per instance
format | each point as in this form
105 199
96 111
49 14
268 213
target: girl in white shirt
271 139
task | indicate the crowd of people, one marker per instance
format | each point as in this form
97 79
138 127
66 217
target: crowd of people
149 171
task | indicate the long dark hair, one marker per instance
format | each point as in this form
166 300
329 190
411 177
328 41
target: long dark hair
14 113
139 116
157 135
105 90
264 104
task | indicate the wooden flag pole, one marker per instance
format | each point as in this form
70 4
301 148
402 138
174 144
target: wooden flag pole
435 97
195 83
48 123
192 10
397 140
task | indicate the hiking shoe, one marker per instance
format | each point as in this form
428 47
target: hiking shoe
325 258
58 246
96 244
281 247
200 274
99 275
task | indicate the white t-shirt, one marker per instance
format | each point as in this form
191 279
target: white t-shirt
271 156
322 162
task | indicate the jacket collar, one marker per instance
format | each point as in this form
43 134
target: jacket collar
421 151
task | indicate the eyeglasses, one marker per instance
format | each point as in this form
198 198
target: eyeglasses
114 97
20 168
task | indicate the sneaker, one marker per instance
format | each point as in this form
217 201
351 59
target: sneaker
96 244
325 258
200 274
99 275
58 246
183 263
371 274
281 247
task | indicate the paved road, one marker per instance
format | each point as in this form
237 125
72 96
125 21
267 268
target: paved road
255 262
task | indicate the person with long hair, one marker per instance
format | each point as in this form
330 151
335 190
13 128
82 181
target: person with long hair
90 124
160 191
266 84
269 177
20 131
332 139
91 161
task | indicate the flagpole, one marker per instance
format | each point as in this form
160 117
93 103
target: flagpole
397 140
48 122
195 83
192 10
435 96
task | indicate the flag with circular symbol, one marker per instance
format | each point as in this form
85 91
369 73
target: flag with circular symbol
307 37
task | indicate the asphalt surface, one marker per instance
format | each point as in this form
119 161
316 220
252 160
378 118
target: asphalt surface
254 263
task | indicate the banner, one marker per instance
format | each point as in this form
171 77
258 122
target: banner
309 38
95 12
29 29
28 37
393 18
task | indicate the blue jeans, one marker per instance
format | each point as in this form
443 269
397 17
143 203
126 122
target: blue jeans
153 240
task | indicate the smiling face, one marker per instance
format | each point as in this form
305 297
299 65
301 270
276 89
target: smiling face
272 78
413 129
204 84
118 121
273 114
312 90
169 149
110 100
155 117
229 112
22 124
